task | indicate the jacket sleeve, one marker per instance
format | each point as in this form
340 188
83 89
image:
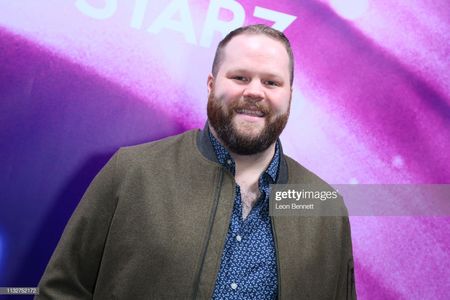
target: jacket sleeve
73 267
347 290
351 288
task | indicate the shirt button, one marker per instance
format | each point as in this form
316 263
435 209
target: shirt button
229 161
239 238
234 285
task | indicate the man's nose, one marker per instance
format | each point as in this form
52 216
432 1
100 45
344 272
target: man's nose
254 91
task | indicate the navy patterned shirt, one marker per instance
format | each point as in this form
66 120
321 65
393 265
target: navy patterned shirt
248 268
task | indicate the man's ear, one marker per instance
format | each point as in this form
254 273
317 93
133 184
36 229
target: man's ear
210 83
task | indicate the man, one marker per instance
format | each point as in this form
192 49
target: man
187 217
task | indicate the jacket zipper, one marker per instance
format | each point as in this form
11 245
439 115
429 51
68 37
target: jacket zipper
277 255
229 220
211 222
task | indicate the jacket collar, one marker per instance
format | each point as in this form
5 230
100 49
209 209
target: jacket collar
206 149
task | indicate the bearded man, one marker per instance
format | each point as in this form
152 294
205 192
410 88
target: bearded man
188 216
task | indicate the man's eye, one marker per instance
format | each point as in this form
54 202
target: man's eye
272 83
240 78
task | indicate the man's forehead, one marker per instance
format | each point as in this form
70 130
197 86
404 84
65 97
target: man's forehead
253 40
256 47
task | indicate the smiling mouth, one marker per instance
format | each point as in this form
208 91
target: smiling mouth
250 112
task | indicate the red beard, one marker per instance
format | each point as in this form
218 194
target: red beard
220 118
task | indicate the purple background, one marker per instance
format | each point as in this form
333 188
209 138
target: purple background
371 105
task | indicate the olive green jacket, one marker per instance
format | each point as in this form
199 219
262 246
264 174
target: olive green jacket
153 223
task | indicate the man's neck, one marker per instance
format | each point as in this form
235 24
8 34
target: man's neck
249 167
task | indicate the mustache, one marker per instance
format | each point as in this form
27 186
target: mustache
249 105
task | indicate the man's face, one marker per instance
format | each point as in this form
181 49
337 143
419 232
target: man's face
249 100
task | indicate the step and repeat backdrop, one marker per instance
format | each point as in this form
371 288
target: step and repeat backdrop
371 105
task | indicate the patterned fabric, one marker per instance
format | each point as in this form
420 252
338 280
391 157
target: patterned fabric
248 268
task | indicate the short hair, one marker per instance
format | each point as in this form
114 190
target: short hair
254 29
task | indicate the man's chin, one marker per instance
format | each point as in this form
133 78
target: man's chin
248 133
248 127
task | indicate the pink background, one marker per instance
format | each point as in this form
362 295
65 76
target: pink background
371 105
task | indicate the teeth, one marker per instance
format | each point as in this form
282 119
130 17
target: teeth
256 113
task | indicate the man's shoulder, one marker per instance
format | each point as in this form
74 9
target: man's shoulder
299 174
158 149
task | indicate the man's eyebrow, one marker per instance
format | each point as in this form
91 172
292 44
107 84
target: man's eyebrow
237 70
246 71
